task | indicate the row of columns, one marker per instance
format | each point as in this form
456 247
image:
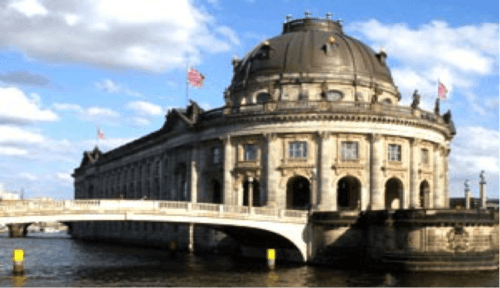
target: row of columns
326 198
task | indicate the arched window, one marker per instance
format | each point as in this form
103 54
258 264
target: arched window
386 101
263 97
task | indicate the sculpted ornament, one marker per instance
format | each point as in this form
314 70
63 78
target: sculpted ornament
458 239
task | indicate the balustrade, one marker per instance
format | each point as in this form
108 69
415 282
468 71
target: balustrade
68 206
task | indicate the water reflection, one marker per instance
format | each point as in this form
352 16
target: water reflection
61 261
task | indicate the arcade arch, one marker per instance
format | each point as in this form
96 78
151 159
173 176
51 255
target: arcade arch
298 193
424 194
349 193
393 193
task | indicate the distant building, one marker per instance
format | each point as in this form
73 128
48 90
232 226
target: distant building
4 195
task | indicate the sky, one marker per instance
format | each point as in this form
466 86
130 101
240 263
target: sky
68 67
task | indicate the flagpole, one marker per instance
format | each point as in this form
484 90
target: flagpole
187 85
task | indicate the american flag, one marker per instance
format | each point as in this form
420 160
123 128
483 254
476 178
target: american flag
100 134
195 78
442 91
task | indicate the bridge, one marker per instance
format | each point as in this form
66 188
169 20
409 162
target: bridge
276 226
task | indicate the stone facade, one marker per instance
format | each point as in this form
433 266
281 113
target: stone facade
327 138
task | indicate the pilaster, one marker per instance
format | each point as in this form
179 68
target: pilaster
438 177
194 175
273 159
228 167
376 185
326 195
414 183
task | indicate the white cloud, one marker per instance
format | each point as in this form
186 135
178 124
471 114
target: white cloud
145 108
28 176
140 122
67 107
98 111
12 151
460 48
126 34
16 107
110 86
15 135
29 8
457 56
475 148
64 177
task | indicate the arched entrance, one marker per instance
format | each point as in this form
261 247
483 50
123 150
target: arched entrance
348 193
255 194
424 194
298 193
393 193
216 192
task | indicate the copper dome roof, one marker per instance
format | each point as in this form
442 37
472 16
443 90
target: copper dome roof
312 45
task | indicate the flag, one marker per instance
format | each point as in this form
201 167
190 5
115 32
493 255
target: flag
195 78
100 134
442 91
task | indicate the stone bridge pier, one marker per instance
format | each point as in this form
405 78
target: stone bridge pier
18 230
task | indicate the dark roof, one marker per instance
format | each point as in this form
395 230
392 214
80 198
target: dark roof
312 46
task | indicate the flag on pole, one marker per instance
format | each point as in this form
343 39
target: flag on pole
195 78
100 134
442 90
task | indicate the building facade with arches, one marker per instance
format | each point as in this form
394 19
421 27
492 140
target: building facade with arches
312 121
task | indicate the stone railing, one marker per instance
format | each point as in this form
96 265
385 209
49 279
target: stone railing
21 208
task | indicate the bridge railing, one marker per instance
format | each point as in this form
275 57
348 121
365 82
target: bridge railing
182 207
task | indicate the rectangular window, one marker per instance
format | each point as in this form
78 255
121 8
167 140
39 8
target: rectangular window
349 150
424 156
394 152
250 152
298 149
216 155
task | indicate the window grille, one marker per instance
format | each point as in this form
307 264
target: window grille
298 149
216 155
250 152
349 150
394 152
424 156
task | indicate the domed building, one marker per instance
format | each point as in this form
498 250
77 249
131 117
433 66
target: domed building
311 121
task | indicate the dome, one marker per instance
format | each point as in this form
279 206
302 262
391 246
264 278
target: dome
313 48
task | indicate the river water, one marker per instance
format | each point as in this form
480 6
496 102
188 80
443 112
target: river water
57 260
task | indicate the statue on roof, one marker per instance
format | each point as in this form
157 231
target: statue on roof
481 176
436 107
466 184
416 100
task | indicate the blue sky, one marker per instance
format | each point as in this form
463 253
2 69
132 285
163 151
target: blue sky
68 66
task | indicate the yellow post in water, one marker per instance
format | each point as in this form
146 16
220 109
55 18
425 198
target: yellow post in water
18 259
271 257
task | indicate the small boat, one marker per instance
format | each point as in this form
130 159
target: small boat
49 230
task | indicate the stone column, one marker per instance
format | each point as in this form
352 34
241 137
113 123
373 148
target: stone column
228 167
482 194
273 159
250 192
467 198
314 189
194 175
438 193
447 178
376 185
414 163
326 194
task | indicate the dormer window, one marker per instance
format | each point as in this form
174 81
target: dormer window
333 95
